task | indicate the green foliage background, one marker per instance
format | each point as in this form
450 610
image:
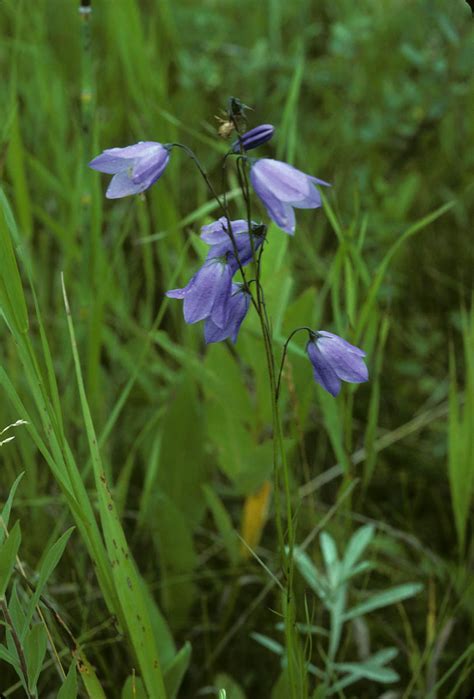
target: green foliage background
376 97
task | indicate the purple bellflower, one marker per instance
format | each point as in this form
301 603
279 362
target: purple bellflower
253 138
237 308
135 168
335 360
208 293
281 188
217 236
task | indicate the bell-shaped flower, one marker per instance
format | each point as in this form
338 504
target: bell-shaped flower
208 293
282 188
237 309
135 168
335 360
253 138
218 237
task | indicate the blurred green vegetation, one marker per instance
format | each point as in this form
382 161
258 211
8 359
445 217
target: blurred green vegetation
376 97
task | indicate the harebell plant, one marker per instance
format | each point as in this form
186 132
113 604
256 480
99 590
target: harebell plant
223 291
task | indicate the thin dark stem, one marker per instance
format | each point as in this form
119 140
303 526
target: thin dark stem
283 356
222 205
279 455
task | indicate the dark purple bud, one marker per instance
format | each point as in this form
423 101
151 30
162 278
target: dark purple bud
253 138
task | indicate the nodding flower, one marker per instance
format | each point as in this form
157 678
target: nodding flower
134 168
208 292
335 360
282 188
239 303
233 238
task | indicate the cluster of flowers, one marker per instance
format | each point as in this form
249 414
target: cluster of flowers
211 294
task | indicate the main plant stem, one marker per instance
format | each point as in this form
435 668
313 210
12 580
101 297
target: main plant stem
280 464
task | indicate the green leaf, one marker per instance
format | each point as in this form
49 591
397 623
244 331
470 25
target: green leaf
5 513
34 646
175 671
9 658
126 579
331 561
51 560
268 643
369 672
178 560
377 281
69 688
356 547
12 298
134 689
310 573
383 599
8 553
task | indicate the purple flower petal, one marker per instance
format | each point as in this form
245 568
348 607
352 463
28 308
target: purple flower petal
281 213
222 293
281 187
177 293
216 232
348 366
208 287
151 166
316 180
122 186
323 373
284 181
113 160
135 167
312 201
341 341
238 306
335 360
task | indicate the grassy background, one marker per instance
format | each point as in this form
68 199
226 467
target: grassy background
376 97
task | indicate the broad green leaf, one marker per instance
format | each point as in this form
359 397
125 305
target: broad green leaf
34 646
178 560
69 688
